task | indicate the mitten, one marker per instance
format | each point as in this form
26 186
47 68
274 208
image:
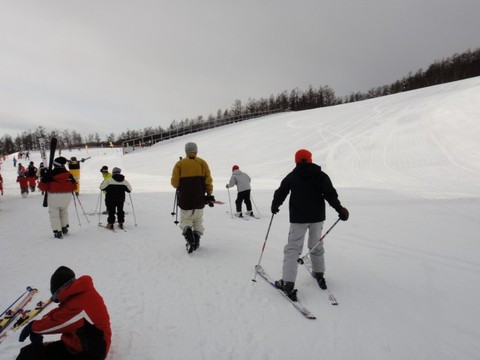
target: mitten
275 209
343 214
27 331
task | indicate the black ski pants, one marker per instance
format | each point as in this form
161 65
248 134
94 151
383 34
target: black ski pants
49 351
243 196
115 207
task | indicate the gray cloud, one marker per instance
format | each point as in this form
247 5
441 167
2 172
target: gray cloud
112 65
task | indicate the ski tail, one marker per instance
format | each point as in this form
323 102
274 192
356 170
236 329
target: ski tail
302 309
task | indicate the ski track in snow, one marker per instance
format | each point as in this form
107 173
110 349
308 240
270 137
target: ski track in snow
403 268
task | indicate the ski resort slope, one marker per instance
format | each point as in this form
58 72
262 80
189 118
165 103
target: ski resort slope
404 268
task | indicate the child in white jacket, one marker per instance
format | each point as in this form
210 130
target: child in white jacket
242 181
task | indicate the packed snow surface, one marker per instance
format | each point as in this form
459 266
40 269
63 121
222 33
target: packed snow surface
404 268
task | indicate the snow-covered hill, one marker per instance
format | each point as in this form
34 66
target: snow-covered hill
404 268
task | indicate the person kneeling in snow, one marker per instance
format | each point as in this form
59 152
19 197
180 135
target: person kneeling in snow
81 317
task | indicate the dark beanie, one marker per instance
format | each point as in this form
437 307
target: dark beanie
303 155
235 167
60 161
60 277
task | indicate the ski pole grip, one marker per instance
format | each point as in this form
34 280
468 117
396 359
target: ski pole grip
300 261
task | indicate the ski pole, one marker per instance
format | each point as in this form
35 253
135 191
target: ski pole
263 247
301 260
174 203
76 211
98 201
175 208
100 208
256 208
133 209
83 210
230 202
9 306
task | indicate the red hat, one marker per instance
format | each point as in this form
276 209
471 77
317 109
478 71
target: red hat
235 167
303 155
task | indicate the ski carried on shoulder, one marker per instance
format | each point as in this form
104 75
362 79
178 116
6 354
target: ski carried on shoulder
308 266
302 309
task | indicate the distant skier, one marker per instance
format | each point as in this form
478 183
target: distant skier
81 318
23 182
59 184
308 187
32 176
1 184
21 169
115 188
242 181
193 181
74 168
105 175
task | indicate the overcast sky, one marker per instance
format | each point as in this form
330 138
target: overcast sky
111 65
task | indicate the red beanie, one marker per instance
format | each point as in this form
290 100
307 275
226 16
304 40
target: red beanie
303 155
235 167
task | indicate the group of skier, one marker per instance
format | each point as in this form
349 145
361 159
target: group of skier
88 337
308 186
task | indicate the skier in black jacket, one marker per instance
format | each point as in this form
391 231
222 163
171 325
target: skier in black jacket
309 187
115 188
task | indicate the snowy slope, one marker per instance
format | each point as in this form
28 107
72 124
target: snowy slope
404 268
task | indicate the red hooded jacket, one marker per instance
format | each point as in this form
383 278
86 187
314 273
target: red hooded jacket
82 319
60 181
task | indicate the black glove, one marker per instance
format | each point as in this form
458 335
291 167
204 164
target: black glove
275 209
210 200
27 331
226 186
343 213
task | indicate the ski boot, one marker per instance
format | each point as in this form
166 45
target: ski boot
57 234
120 226
321 280
196 242
288 288
249 213
65 229
190 238
109 226
239 214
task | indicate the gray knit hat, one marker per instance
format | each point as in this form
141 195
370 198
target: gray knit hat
191 147
116 170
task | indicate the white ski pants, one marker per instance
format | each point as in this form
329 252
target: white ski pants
58 208
192 218
293 250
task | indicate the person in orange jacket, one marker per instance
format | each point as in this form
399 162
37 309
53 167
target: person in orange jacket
81 318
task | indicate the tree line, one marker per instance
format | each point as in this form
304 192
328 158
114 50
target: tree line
454 68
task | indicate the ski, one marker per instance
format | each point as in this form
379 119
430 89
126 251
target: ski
29 315
53 147
12 314
43 153
28 289
302 309
308 266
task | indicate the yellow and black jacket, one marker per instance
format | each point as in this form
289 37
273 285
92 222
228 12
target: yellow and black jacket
192 179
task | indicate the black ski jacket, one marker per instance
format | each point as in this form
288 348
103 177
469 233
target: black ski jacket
309 187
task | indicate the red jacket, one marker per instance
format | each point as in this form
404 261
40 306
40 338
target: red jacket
60 181
23 182
82 319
